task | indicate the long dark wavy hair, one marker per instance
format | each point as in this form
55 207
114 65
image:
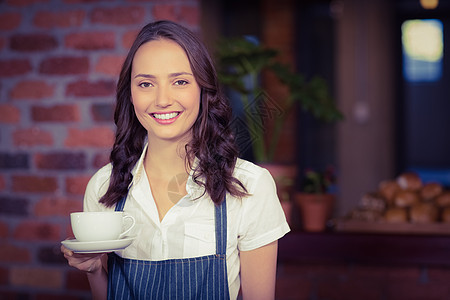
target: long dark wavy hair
212 139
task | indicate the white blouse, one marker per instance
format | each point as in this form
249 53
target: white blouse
188 228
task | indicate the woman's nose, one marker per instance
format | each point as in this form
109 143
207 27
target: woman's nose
163 97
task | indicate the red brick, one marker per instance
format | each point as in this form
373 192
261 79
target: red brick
128 38
100 160
91 40
93 137
10 114
10 21
32 89
14 67
4 230
85 88
60 161
118 15
62 19
77 185
164 11
37 231
184 14
57 207
56 113
14 160
77 280
189 15
32 277
2 43
51 254
110 64
10 253
32 137
64 65
23 3
32 42
34 184
69 232
14 205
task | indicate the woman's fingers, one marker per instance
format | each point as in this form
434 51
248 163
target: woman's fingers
66 252
87 262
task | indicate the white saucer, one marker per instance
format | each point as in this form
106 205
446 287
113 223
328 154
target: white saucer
97 247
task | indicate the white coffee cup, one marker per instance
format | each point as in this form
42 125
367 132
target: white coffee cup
100 226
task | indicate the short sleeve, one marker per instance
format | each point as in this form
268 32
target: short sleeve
96 188
263 220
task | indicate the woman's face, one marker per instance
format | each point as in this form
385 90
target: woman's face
165 95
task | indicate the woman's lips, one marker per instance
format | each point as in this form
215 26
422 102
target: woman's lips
166 118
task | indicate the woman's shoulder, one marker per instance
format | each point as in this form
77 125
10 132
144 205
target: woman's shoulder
101 177
103 172
251 174
245 167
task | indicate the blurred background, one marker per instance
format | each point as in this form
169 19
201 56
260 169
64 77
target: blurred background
383 63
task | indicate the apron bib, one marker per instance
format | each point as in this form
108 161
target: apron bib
202 277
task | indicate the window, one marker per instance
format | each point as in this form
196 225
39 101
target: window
422 45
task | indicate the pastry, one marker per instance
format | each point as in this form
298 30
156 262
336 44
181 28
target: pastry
409 181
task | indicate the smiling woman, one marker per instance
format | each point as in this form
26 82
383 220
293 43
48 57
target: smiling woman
164 92
207 222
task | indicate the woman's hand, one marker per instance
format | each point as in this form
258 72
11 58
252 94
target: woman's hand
95 265
87 262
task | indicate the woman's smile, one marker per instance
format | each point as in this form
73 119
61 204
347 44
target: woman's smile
166 118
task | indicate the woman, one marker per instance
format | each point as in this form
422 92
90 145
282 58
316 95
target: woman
207 222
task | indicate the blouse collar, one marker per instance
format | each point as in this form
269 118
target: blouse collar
193 189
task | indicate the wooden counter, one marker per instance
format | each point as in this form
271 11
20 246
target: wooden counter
338 247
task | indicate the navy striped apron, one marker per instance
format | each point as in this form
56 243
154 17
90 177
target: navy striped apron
188 278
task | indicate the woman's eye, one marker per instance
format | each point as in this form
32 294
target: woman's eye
181 82
145 84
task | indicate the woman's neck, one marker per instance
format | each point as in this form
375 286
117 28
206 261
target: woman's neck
165 159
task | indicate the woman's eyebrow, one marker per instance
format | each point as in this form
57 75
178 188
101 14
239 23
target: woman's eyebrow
171 75
145 76
179 74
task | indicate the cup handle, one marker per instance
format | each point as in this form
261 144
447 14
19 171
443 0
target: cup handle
128 229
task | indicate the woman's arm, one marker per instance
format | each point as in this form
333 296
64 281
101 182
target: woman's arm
95 266
258 272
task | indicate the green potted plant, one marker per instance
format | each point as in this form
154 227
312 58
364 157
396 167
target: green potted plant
315 200
241 63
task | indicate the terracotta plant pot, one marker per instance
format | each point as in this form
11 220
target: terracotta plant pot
315 210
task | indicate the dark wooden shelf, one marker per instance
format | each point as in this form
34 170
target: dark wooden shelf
337 247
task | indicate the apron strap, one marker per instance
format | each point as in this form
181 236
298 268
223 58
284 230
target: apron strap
221 227
120 205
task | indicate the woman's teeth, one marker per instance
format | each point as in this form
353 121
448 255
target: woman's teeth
165 116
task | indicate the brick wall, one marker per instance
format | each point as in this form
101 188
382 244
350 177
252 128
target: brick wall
59 62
